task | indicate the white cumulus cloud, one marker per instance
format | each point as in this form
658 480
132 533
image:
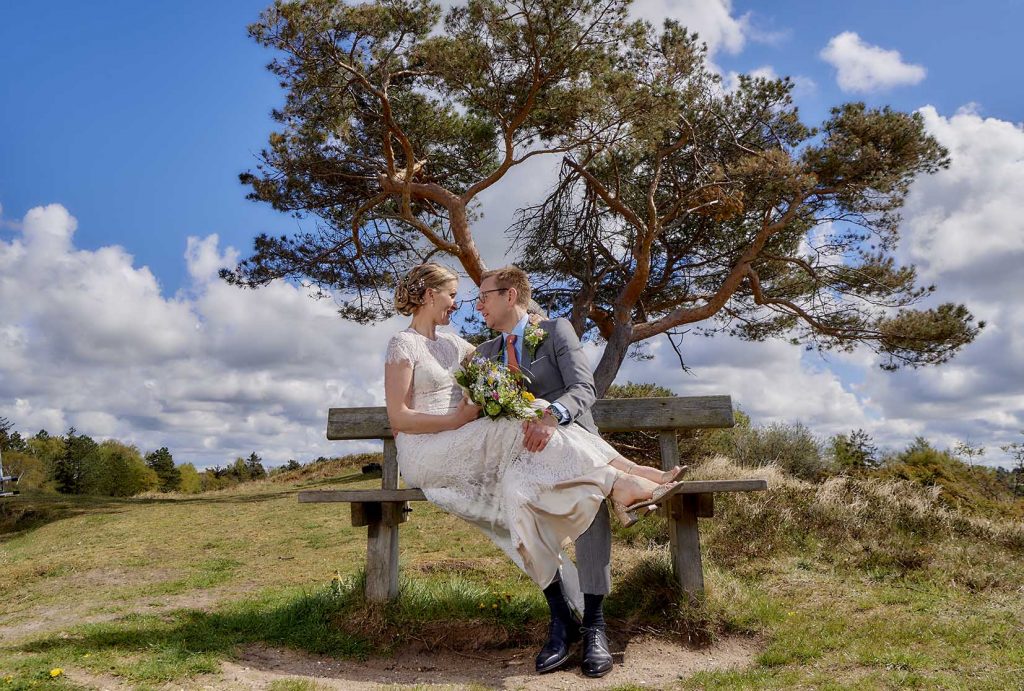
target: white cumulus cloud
713 20
863 67
89 339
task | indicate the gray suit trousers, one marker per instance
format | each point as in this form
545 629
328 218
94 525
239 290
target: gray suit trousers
594 555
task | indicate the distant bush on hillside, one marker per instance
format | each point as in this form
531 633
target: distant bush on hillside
190 482
119 472
328 468
972 488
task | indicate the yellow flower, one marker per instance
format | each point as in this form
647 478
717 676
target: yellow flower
529 396
56 672
481 605
494 606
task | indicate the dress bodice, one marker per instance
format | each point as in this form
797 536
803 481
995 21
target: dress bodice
434 362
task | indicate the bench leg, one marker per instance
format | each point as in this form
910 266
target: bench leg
382 554
684 538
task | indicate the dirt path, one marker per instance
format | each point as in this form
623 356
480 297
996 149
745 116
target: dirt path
655 663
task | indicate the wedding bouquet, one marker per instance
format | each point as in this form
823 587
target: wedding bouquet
499 391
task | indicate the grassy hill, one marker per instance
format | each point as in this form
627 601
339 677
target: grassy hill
850 583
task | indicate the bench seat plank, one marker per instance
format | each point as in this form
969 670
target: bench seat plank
360 495
610 414
399 495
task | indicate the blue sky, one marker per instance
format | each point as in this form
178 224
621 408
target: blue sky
126 124
138 116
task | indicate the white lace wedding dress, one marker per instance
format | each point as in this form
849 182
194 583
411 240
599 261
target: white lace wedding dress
529 504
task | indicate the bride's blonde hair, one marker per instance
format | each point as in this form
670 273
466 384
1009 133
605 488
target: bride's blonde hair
411 290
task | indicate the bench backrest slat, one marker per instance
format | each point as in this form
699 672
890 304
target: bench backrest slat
610 414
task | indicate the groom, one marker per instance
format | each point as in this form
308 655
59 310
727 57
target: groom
558 372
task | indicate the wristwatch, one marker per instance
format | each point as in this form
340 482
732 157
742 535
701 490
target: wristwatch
558 414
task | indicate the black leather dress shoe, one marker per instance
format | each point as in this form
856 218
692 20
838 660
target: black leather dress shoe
597 657
555 652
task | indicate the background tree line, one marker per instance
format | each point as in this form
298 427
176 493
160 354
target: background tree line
75 463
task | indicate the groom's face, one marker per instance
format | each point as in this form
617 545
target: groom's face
496 305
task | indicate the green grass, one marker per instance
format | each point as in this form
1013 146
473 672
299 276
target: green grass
294 685
841 586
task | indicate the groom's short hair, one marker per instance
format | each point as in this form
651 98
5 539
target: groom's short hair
511 276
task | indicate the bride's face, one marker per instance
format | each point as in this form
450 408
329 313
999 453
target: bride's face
442 304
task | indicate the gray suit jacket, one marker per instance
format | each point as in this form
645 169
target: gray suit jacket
558 371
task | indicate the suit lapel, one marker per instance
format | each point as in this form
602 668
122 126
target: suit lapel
494 349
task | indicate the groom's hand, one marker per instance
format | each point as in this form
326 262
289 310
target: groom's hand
537 433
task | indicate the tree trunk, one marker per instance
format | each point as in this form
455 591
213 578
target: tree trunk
614 355
469 256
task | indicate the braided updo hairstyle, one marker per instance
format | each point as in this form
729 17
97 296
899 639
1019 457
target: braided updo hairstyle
411 290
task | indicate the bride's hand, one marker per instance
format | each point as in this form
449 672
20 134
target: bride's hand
466 412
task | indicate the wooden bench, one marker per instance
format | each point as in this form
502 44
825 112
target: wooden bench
383 510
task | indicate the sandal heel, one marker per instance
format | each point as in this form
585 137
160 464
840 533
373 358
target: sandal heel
626 517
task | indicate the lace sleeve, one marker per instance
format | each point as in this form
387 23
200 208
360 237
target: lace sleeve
466 349
399 350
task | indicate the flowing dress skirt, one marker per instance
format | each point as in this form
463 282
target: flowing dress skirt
530 504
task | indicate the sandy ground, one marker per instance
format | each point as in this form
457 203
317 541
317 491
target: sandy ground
650 662
653 663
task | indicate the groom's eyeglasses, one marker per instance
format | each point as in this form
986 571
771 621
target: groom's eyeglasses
483 293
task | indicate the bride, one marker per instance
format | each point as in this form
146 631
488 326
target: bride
529 503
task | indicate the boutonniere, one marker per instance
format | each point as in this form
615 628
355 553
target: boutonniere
534 336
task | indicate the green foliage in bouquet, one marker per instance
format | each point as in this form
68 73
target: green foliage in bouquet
499 391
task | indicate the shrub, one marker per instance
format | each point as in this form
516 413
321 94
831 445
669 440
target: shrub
120 472
190 482
791 447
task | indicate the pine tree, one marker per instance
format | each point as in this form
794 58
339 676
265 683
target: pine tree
681 205
855 451
10 440
163 463
254 466
73 466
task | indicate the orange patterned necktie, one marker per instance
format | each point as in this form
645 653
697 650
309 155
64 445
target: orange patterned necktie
510 349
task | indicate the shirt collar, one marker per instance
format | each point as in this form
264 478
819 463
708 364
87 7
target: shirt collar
519 329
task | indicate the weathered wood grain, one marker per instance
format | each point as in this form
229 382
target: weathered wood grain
706 505
707 486
669 444
365 513
370 512
389 471
316 496
382 561
684 541
611 415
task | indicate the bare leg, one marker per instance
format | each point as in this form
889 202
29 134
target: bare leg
648 473
630 489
